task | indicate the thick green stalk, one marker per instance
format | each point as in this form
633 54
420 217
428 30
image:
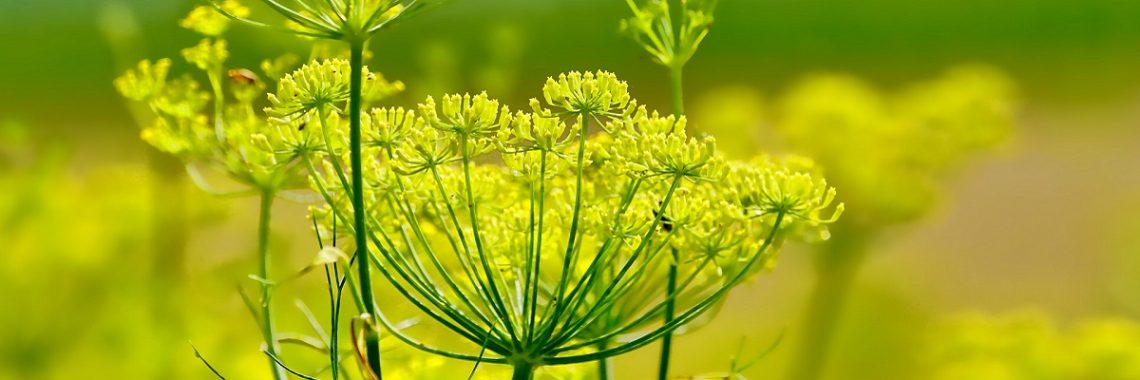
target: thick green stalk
671 285
523 371
371 338
837 263
678 97
263 271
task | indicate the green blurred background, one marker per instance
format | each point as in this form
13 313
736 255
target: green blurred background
1048 223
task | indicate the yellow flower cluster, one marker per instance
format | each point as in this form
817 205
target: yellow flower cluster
570 225
578 93
207 55
263 153
324 84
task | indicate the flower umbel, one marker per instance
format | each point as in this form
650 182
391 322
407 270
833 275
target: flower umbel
563 247
588 93
323 84
671 45
334 19
145 81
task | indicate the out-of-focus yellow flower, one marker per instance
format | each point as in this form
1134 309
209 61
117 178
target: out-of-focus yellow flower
1107 349
206 20
101 267
144 82
736 111
888 153
208 55
1029 345
257 149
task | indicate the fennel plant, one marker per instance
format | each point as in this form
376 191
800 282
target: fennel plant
521 259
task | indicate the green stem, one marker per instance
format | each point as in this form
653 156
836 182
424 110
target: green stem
671 284
334 325
678 98
603 364
670 306
263 271
536 264
523 371
686 316
570 256
836 267
371 338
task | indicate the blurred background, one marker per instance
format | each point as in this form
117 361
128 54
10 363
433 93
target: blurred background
1040 232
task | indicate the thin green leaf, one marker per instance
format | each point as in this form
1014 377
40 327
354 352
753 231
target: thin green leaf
204 361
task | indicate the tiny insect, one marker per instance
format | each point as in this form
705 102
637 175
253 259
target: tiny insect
302 126
243 76
666 223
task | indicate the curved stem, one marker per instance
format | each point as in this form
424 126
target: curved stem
503 302
685 317
371 338
263 272
635 323
485 278
332 279
615 281
584 123
433 350
534 260
406 209
569 258
586 281
333 158
618 282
